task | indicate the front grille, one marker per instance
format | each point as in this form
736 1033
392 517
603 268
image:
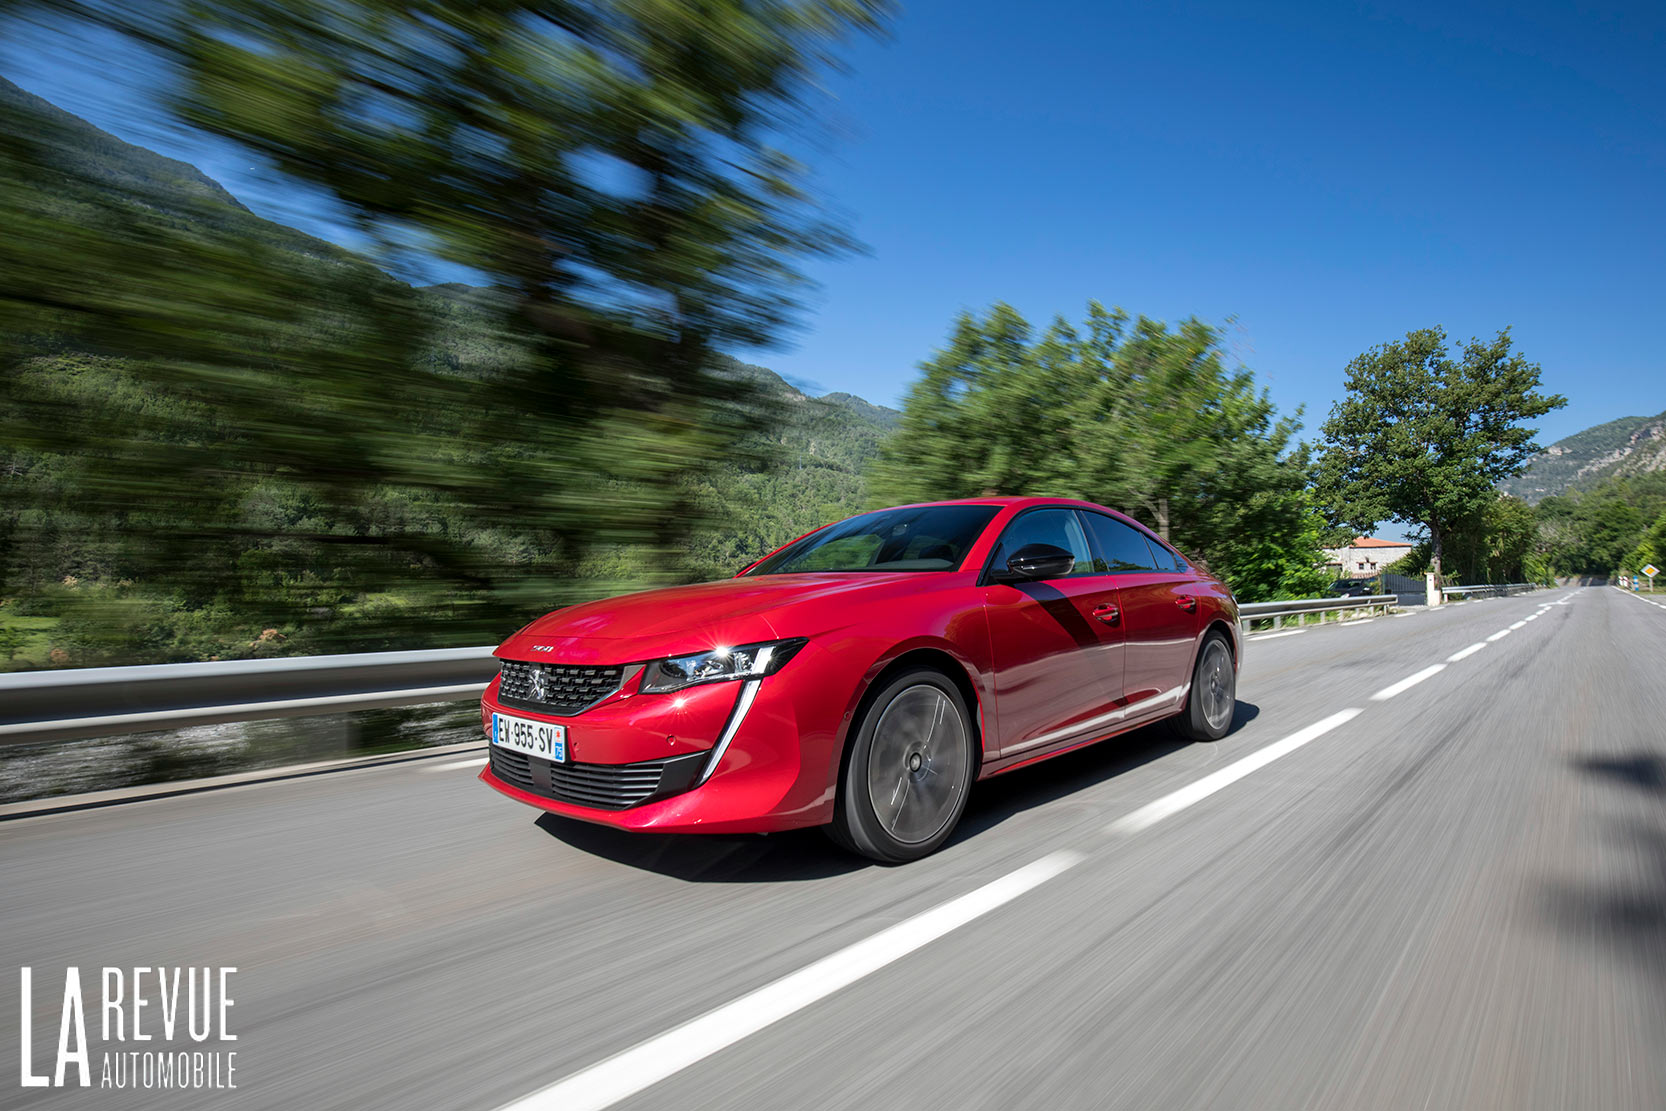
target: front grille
599 786
560 689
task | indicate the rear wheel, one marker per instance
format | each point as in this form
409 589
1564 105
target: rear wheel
1214 693
911 760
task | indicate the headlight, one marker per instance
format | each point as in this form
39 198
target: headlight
743 661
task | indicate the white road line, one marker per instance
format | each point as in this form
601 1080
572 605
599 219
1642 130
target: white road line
1518 624
1407 683
455 764
1270 636
1361 621
1465 653
1531 617
1154 812
608 1082
1500 635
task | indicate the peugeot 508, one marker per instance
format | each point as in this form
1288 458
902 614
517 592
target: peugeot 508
863 676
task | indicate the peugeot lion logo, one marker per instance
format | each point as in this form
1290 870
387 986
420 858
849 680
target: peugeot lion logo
540 685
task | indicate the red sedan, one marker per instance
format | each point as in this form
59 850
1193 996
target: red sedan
862 676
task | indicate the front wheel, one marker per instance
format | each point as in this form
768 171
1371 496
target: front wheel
911 760
1214 693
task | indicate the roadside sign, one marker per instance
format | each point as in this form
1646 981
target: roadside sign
1651 570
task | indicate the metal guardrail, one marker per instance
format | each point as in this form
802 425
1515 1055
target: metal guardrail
1489 590
1276 612
103 701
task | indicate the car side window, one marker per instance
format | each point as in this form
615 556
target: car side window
1167 560
1121 548
1058 527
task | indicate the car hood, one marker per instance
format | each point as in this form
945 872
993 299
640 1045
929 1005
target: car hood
682 619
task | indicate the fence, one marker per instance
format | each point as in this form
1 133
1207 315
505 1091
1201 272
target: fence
1276 612
1489 590
97 702
103 701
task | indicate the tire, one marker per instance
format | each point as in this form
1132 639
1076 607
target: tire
1213 695
909 768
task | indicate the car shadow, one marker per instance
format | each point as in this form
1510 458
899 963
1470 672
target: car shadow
1644 770
1618 911
996 800
796 855
807 854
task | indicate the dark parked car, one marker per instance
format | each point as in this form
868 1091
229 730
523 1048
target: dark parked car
1352 588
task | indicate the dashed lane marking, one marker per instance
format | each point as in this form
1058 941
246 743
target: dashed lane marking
1407 683
1152 813
623 1075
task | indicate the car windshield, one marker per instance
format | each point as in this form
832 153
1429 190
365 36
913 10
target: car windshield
923 538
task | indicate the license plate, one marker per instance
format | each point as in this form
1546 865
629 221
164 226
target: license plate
535 738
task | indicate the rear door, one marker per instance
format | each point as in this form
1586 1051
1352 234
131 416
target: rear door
1159 615
1056 643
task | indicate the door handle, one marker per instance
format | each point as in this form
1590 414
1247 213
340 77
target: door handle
1107 613
1188 603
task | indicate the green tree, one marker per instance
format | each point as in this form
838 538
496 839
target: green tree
1494 544
1595 531
1651 550
1125 412
291 431
1422 436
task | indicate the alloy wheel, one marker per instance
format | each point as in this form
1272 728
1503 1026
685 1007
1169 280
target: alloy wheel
1214 685
917 763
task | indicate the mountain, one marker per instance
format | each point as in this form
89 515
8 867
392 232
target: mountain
94 173
1628 446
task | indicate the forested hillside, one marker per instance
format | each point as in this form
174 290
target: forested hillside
1628 446
338 487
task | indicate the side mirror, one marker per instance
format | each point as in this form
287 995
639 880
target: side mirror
1038 561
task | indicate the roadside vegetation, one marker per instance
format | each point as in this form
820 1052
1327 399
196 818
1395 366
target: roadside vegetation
1126 411
223 438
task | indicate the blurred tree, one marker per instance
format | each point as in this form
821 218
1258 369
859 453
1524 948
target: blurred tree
1422 437
1126 413
296 433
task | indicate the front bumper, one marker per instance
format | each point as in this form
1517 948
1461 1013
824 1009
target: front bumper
651 762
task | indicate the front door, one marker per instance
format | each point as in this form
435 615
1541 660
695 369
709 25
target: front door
1056 643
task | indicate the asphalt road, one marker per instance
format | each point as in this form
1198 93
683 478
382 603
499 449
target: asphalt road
1454 897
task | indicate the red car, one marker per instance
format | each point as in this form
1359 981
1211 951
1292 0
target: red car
862 676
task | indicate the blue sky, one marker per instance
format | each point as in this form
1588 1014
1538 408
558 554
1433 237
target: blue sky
1327 176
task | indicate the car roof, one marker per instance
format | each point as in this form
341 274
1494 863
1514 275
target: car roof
1004 500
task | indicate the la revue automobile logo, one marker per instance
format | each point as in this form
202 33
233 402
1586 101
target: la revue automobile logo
159 1028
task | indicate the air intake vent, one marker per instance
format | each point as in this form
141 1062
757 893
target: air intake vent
598 786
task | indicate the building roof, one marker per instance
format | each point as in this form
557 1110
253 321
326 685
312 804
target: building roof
1373 542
